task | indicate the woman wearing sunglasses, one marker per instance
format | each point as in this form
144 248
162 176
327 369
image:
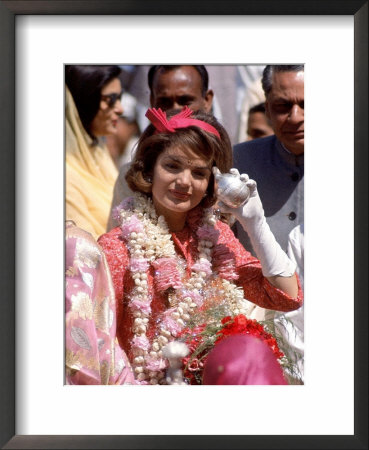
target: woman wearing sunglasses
93 106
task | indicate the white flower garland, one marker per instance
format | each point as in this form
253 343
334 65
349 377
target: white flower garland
150 242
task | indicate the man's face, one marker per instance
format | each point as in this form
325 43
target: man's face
258 126
176 88
285 108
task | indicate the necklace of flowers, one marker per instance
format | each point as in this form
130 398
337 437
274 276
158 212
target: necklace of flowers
150 243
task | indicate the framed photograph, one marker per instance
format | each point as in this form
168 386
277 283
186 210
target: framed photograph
37 39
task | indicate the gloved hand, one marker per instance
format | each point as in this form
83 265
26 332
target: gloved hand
273 259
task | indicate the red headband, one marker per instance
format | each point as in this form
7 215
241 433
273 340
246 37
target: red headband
181 120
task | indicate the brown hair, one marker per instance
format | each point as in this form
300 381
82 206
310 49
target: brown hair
203 143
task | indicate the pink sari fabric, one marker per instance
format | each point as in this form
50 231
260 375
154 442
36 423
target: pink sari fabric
93 355
240 360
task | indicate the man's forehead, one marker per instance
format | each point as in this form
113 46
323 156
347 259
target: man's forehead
286 83
287 79
180 76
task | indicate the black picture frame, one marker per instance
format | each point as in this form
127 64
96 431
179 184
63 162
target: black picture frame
8 283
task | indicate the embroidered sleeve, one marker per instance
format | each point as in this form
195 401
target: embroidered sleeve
92 354
256 287
117 257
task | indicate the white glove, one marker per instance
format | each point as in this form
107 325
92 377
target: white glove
273 259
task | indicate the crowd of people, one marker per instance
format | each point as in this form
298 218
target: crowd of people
155 253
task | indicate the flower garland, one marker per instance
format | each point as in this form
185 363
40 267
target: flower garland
150 243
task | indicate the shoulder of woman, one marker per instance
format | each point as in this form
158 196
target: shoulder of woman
225 230
113 243
113 236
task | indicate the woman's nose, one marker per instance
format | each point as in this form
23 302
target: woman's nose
118 108
184 178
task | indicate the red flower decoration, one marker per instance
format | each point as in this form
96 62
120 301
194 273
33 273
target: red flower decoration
242 325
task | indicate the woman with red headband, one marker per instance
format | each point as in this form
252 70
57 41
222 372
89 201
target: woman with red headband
171 256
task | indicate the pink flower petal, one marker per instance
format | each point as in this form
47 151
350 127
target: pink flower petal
224 262
195 296
126 204
155 365
138 305
203 266
139 265
132 225
141 342
171 325
208 233
166 274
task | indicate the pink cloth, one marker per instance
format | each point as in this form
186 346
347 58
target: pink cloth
240 360
92 354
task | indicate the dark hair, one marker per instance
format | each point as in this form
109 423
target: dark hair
203 143
167 68
267 80
260 107
85 84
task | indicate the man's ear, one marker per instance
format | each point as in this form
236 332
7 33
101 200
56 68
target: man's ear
267 111
208 100
151 101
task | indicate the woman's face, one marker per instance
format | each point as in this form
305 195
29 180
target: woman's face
179 183
106 119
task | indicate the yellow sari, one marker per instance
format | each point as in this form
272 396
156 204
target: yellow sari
90 175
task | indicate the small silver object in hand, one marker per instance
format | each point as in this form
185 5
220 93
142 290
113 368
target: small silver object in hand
231 190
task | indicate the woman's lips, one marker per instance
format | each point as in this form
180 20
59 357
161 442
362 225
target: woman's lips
180 195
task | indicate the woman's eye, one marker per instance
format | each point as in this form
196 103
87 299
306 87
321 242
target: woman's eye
199 174
171 166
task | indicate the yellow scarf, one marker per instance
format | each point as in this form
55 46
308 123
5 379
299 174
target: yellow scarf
90 175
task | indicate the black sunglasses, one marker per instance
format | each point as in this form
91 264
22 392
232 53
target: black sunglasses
111 99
